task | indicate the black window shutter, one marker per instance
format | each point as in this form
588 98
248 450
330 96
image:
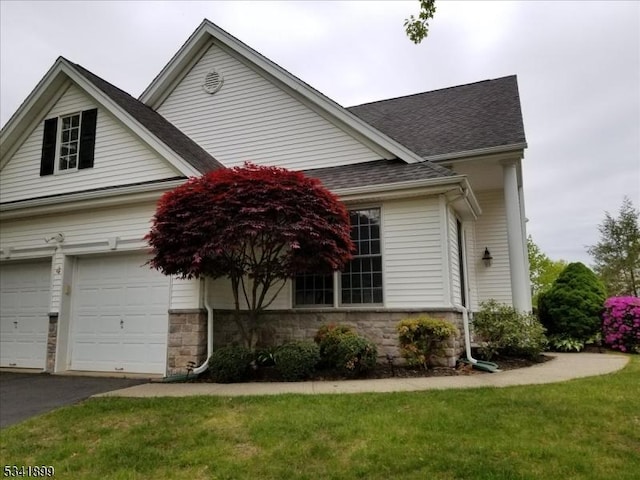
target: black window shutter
87 138
48 157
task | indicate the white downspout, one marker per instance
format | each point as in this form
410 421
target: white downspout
207 306
467 335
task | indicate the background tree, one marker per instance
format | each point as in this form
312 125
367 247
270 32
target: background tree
417 29
256 226
542 270
617 254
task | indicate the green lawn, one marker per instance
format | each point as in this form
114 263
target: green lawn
583 429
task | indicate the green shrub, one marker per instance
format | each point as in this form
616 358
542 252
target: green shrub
353 355
297 360
503 330
327 337
341 348
230 364
571 308
563 343
423 337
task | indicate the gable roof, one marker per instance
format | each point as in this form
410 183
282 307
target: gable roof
182 152
208 33
156 124
482 117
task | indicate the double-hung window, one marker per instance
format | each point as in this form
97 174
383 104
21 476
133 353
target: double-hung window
68 142
360 283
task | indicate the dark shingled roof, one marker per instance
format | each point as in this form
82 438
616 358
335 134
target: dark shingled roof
457 119
377 172
159 126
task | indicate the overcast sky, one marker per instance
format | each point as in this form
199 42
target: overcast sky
578 68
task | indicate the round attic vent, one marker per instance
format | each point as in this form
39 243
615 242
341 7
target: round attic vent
212 82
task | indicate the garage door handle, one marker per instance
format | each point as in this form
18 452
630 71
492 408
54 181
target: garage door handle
121 323
15 324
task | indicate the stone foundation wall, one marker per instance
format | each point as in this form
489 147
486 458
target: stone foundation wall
52 342
377 325
187 340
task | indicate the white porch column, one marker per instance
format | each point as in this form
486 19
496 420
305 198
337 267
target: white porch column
527 267
517 259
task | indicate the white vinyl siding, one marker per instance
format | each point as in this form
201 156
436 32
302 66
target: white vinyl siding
221 296
252 119
493 282
412 253
454 257
90 232
120 158
472 264
185 294
412 259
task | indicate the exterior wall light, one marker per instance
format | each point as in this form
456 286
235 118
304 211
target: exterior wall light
487 258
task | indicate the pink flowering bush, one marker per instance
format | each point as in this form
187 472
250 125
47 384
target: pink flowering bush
621 324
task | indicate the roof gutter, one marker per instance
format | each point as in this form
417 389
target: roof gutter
465 154
431 186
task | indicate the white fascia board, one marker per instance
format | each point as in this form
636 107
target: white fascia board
156 92
388 190
469 155
449 185
182 166
124 195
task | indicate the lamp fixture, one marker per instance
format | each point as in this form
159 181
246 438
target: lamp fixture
487 258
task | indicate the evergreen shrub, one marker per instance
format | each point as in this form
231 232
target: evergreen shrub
230 364
571 308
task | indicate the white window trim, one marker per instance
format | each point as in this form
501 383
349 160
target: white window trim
56 164
337 276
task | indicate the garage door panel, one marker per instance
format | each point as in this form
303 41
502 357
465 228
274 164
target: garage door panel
24 308
120 319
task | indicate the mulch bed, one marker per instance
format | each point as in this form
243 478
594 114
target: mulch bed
270 374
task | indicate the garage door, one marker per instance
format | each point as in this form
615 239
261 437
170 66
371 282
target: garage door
120 316
24 314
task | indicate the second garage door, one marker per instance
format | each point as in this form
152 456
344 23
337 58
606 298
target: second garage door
120 315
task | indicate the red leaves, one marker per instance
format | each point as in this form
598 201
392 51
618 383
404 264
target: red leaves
265 222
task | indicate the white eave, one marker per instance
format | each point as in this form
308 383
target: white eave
474 154
197 43
121 195
452 186
40 100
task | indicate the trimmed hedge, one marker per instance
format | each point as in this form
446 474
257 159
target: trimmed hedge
342 349
297 360
230 364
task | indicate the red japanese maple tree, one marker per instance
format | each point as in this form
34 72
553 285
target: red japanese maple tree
257 226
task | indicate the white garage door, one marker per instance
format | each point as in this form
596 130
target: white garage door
24 314
120 315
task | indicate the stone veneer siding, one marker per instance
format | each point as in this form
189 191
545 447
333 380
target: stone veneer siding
187 340
52 342
378 325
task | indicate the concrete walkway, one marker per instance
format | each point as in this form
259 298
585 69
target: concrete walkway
565 366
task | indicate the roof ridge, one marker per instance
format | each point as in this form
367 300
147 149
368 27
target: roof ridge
432 91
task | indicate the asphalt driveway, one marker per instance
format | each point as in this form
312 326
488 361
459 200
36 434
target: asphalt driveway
23 395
